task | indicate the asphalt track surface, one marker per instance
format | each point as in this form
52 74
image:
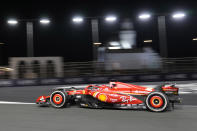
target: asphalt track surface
29 117
31 93
32 118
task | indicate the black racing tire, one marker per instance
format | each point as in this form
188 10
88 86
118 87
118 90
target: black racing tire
58 99
157 102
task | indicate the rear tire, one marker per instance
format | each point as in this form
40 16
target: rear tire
58 99
157 102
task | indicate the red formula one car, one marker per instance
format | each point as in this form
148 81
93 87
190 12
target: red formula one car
116 95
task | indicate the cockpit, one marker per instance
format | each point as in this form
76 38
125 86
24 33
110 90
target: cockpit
92 87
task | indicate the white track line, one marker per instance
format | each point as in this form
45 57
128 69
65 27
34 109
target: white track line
23 103
16 103
183 89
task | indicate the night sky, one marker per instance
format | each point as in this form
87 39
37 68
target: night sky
73 42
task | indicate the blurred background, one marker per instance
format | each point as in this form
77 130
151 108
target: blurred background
97 38
72 43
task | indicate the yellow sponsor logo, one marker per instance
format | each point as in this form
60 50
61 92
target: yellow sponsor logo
102 97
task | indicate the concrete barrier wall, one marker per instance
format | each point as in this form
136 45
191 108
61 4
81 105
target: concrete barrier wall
98 79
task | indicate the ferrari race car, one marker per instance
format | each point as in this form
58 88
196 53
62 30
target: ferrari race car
116 95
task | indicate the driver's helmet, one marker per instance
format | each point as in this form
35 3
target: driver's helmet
112 83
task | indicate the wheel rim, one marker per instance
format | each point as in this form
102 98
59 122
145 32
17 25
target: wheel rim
156 101
57 99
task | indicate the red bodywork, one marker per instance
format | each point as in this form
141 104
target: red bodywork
115 93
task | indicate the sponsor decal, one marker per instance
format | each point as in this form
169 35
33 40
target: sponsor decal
102 97
126 100
113 100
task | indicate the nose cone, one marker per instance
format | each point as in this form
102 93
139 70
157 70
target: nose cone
41 99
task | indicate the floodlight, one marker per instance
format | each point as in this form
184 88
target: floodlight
144 16
44 21
77 19
148 41
110 18
12 22
178 15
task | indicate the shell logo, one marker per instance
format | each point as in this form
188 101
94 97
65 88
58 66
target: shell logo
102 97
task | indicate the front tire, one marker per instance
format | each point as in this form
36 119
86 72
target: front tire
157 102
58 99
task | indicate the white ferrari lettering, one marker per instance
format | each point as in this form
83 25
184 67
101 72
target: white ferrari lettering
125 99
